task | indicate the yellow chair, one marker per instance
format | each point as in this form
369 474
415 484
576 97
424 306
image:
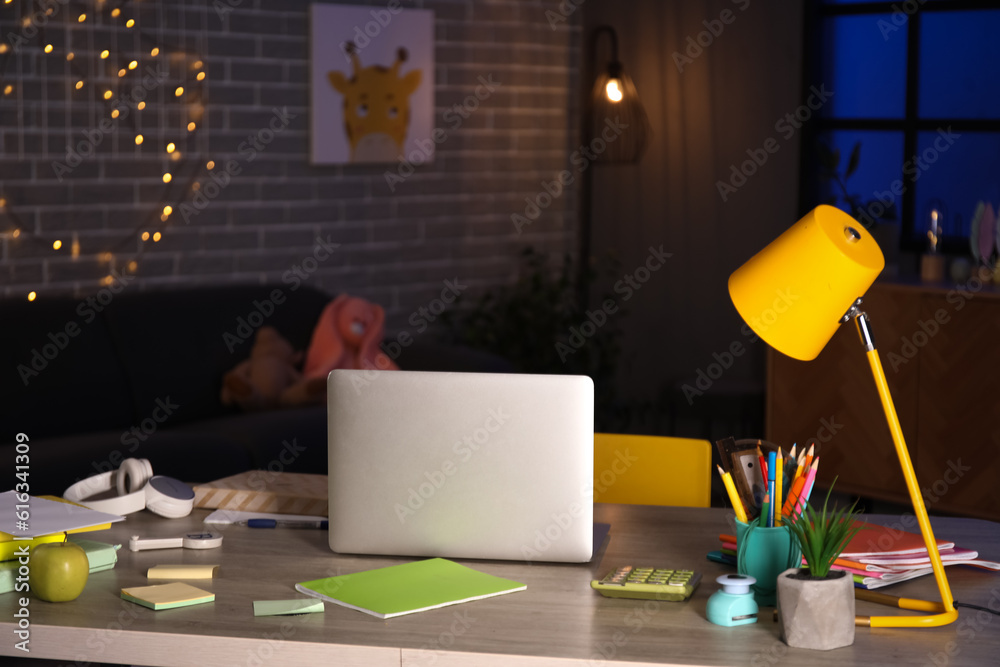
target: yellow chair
652 470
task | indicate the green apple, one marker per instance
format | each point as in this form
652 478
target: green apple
58 571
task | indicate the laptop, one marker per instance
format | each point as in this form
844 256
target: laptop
461 465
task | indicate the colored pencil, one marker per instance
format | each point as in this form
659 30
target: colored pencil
763 466
810 478
778 481
809 456
734 497
765 512
793 495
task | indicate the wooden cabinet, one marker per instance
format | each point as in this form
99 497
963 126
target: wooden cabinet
940 348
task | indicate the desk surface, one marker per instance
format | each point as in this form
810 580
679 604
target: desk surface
558 620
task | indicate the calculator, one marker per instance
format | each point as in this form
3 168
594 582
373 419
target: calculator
648 583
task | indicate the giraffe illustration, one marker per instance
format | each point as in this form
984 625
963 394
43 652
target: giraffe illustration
376 107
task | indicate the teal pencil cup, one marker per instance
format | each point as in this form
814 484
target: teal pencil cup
764 553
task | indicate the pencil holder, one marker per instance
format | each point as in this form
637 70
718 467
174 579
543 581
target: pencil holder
764 553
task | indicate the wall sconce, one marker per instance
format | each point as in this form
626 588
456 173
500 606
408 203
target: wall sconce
617 127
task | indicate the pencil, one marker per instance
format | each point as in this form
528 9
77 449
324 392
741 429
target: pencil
763 466
809 456
793 495
734 497
765 512
778 481
810 479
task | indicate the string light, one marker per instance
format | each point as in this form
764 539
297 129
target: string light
122 72
156 237
4 47
195 186
129 23
8 89
17 232
32 296
171 147
132 266
167 177
198 64
191 126
56 244
210 165
116 12
104 54
70 56
167 210
108 94
179 91
140 106
79 84
48 48
114 113
81 18
133 64
155 52
201 76
107 280
145 236
138 139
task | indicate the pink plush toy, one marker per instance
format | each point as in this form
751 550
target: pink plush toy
347 336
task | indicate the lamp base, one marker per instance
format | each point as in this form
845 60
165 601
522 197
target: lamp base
932 268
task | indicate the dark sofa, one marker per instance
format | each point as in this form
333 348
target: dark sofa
138 374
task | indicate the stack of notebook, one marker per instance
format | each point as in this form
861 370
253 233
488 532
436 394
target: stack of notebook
878 556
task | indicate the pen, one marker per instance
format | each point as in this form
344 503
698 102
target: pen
284 523
772 466
779 472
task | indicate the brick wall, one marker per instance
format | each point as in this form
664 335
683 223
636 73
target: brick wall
449 219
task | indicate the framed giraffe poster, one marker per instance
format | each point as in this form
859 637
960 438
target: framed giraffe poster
372 84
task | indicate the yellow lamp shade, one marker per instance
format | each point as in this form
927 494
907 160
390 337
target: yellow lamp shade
794 292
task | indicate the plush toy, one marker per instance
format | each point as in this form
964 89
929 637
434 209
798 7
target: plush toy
270 377
347 336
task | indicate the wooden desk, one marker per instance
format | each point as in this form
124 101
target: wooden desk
557 621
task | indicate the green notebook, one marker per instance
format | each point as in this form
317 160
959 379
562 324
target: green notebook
409 588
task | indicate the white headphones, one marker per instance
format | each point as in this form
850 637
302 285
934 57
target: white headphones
137 489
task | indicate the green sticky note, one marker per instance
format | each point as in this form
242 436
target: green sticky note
284 607
409 588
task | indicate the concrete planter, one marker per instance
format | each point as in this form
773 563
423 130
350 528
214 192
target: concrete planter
816 613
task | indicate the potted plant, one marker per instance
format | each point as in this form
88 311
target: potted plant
816 603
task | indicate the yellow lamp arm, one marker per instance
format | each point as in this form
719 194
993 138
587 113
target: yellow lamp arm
946 608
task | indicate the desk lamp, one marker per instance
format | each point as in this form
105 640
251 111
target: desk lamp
794 294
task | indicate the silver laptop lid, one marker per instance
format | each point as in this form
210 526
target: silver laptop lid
461 465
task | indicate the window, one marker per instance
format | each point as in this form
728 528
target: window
912 131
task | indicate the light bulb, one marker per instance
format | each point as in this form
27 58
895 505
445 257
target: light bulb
31 296
613 90
167 177
171 147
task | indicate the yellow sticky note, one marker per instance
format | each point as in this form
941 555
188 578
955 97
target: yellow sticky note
182 572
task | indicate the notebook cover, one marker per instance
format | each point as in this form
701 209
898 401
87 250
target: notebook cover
409 588
265 491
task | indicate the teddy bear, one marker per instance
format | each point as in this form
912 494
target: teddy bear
269 378
347 335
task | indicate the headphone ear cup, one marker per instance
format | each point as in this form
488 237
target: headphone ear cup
133 474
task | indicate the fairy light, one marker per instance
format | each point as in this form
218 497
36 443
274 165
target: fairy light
104 257
107 280
175 156
191 126
122 72
179 91
32 296
201 76
114 113
4 48
140 106
8 89
198 64
129 23
132 266
195 186
167 177
56 244
156 237
171 147
167 210
48 48
116 12
79 84
104 54
108 94
70 56
17 232
210 165
155 52
145 236
138 140
133 64
81 18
